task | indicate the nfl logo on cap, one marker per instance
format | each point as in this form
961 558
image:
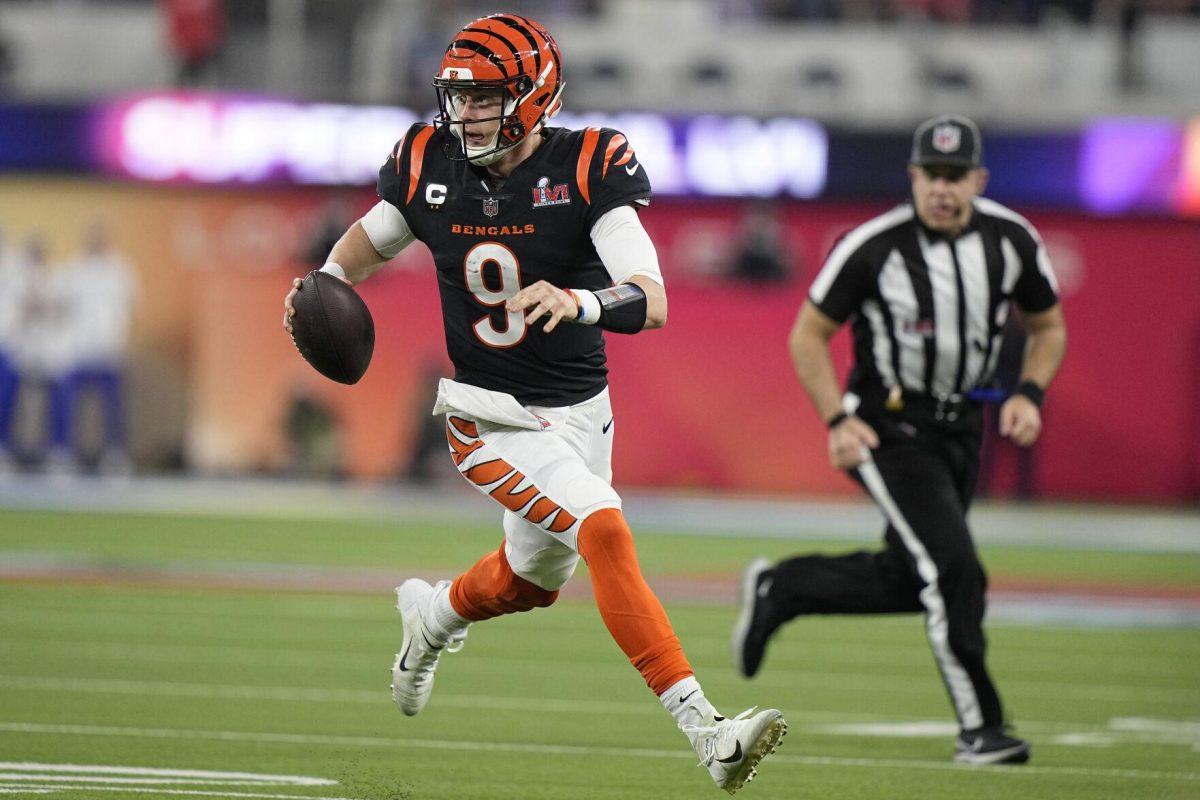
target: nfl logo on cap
951 139
946 138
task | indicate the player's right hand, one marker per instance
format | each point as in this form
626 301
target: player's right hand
289 310
848 442
545 299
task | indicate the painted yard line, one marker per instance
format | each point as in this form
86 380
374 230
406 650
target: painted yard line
50 789
123 781
576 750
161 772
878 683
839 722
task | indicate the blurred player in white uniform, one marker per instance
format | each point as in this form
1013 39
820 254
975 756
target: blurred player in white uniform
12 278
103 292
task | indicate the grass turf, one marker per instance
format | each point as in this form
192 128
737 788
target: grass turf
544 705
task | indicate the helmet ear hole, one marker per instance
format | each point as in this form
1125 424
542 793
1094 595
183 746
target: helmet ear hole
523 84
515 130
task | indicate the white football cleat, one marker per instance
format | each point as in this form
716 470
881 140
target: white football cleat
412 672
732 748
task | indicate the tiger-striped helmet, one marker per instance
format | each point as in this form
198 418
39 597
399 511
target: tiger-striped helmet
504 52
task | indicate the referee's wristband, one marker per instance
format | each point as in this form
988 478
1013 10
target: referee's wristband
836 419
1031 390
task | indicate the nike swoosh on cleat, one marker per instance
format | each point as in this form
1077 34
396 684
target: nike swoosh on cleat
429 644
736 757
607 425
684 699
402 667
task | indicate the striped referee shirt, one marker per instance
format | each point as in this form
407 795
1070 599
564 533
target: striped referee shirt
928 311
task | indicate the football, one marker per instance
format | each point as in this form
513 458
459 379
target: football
333 328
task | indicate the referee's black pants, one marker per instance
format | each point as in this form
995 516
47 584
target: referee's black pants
922 478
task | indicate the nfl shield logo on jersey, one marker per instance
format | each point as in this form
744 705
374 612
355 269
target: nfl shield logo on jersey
946 138
491 206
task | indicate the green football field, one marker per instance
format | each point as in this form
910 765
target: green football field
151 655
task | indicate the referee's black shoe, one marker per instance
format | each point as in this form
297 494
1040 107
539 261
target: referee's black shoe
753 628
990 746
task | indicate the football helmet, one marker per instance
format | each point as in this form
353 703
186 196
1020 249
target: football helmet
510 54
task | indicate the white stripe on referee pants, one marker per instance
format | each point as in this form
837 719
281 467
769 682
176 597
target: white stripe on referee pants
937 626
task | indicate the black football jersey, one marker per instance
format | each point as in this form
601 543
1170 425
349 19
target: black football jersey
489 241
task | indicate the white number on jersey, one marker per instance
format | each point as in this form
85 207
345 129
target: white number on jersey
477 258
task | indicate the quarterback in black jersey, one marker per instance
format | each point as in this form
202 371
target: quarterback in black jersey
538 247
491 234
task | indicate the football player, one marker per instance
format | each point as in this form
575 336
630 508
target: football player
539 250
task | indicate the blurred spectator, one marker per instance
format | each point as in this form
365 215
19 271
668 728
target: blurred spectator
759 255
196 31
331 222
11 301
783 10
8 63
102 291
314 447
427 454
43 350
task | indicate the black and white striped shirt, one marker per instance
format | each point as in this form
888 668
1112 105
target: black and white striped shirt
928 311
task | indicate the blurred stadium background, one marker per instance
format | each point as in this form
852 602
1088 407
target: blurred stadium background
166 168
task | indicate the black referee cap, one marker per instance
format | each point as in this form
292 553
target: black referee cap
950 139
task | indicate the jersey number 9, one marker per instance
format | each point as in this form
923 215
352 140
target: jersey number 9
505 260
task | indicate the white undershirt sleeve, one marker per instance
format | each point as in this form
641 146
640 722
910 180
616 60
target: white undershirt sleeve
625 247
387 229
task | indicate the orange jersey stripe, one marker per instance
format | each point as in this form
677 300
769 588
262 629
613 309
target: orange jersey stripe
591 137
562 522
613 144
465 427
510 499
488 472
416 158
458 450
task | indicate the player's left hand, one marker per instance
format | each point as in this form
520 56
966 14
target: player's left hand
544 299
1020 420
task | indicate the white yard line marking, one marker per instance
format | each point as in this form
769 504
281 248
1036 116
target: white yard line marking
878 683
819 721
112 779
160 772
49 789
570 750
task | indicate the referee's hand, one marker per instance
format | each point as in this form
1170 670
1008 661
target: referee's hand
1020 420
848 443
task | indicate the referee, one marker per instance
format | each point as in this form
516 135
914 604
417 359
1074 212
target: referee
927 288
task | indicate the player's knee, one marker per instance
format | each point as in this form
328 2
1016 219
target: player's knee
604 531
522 594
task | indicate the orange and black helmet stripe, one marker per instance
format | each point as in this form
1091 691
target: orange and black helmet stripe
522 27
483 50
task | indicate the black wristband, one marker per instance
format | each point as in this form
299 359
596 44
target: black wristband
622 308
836 419
1031 390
